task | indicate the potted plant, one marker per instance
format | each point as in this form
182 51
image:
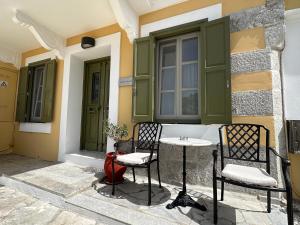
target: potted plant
116 132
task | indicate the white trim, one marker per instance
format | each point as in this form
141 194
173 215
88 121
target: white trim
293 14
210 12
36 127
40 57
70 125
127 18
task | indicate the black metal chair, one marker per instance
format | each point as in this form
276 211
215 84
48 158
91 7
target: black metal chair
144 151
243 143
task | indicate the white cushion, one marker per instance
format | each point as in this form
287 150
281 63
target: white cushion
135 158
249 175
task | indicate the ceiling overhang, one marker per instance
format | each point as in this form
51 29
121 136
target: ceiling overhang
47 38
10 56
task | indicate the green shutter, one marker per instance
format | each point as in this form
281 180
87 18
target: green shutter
143 100
22 95
215 74
49 90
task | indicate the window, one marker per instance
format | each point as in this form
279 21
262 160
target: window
182 74
178 78
36 92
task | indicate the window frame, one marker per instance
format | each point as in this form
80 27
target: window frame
177 41
31 71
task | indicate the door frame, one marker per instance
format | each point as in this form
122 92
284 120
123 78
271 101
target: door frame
84 96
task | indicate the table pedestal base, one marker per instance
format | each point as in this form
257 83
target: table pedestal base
183 199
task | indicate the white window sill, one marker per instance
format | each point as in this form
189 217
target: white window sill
36 127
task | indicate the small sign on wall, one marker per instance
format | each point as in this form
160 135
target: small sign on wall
3 84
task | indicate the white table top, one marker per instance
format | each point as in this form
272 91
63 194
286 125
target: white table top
189 142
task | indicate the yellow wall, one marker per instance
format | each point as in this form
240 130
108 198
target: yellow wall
247 40
39 145
292 4
7 106
294 171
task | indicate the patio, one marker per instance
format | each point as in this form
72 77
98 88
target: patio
74 190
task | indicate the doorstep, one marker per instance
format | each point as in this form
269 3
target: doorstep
87 158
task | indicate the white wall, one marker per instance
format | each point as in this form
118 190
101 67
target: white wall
70 125
74 105
291 65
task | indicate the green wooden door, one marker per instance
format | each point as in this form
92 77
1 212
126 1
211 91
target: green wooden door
95 105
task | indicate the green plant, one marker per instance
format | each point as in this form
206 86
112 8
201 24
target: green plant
115 131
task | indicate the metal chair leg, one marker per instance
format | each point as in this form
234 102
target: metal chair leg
133 173
215 200
269 201
158 173
290 213
113 177
222 190
149 186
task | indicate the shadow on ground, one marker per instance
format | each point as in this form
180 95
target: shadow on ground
137 193
12 164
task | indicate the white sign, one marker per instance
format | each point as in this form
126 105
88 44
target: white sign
3 84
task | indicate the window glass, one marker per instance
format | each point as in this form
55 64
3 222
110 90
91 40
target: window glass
168 79
190 75
189 102
190 49
178 81
95 87
169 56
37 92
167 103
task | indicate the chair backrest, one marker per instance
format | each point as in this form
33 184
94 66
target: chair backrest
244 142
148 135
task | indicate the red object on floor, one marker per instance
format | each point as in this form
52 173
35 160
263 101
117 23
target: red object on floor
119 170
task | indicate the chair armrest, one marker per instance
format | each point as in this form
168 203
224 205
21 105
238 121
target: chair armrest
283 159
285 163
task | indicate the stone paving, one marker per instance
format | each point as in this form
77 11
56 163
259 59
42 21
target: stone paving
77 187
17 208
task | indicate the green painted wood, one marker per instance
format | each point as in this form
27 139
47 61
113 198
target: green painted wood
143 99
95 105
49 91
215 73
21 112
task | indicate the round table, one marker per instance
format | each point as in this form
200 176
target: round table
183 199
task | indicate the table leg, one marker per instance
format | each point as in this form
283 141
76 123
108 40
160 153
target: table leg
183 199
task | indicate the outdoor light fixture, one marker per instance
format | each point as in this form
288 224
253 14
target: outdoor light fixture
87 42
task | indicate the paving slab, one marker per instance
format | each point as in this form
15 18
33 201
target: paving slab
130 205
64 179
12 164
17 208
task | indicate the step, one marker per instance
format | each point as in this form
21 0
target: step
121 213
55 199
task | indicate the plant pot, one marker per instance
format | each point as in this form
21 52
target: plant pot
119 170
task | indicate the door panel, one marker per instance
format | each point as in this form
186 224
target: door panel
95 103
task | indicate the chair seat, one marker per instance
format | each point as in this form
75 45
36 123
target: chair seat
136 158
248 175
